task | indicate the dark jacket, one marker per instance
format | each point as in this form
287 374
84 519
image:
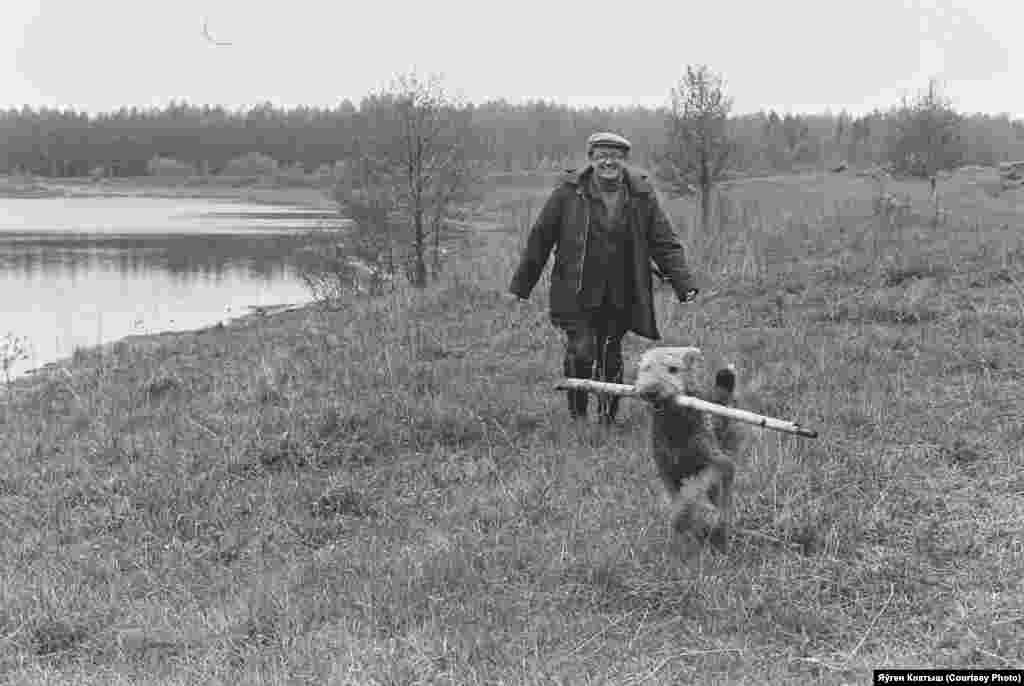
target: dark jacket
564 224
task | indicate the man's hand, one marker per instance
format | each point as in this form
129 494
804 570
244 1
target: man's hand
689 296
512 298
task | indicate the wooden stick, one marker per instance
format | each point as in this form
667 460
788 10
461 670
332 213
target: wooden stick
627 390
620 389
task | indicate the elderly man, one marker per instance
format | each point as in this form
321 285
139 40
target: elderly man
608 225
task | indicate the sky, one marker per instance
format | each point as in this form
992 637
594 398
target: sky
800 56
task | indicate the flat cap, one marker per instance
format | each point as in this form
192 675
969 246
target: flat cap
608 139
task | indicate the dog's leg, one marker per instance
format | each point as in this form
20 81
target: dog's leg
722 498
692 503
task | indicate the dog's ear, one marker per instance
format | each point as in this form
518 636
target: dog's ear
731 437
725 385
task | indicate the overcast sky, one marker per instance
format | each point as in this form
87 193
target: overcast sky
791 55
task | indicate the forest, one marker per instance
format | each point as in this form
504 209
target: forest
204 139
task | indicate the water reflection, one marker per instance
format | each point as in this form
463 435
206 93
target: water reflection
78 274
185 257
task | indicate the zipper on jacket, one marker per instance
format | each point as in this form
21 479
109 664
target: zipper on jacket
586 238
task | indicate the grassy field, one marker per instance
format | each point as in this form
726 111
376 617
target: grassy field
391 493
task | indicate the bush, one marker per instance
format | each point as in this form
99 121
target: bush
13 349
330 272
166 166
361 258
294 176
249 165
328 175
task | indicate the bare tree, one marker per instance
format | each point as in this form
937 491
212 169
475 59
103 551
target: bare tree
455 184
698 146
422 135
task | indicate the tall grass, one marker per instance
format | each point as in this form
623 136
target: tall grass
390 492
13 349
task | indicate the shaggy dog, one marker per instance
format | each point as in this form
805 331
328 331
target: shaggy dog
693 450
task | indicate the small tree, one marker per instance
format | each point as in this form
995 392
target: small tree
926 135
422 135
698 146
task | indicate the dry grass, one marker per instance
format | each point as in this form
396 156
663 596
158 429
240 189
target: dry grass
391 494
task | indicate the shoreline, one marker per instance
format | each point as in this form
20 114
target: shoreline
25 379
306 196
143 187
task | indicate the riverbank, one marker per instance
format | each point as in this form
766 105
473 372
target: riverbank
70 228
147 341
212 188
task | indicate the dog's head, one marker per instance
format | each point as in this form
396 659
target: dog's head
667 372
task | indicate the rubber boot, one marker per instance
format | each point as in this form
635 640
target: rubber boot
578 400
610 370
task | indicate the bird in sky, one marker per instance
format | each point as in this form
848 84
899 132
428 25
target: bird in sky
207 36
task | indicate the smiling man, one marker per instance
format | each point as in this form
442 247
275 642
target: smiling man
606 225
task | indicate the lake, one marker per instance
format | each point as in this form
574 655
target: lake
82 271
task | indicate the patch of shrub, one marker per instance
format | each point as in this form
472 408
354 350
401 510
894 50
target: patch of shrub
249 165
166 166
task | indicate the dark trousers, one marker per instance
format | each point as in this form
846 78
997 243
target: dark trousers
593 350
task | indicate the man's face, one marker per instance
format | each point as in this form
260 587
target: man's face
608 162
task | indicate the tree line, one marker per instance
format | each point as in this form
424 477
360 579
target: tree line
405 162
502 135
